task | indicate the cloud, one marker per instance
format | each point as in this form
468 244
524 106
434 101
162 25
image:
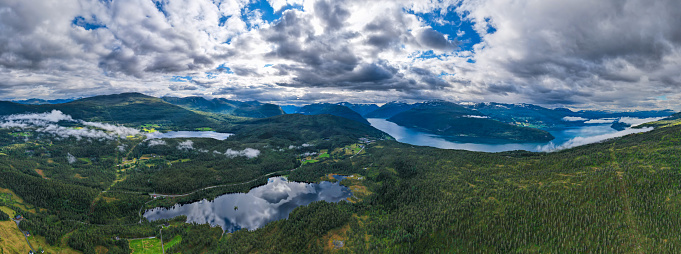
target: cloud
121 148
574 119
48 123
607 54
70 158
579 141
602 120
156 142
118 130
185 145
248 153
53 116
638 121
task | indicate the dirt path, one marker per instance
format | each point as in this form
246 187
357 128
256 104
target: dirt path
634 232
119 177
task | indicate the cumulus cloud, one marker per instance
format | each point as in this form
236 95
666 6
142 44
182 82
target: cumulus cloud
156 142
118 130
53 117
574 119
579 141
308 154
300 146
248 153
121 148
48 123
186 145
609 54
70 158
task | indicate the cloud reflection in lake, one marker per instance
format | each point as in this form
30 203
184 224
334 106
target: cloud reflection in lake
252 210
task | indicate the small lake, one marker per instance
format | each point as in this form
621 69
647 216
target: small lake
252 210
190 134
564 138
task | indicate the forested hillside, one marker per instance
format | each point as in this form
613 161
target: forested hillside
87 193
252 109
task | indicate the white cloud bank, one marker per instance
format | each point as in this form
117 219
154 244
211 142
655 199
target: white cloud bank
579 141
248 153
574 119
186 145
48 123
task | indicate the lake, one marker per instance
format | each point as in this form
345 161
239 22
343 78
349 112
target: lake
252 210
190 134
564 138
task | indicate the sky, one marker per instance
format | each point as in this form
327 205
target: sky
606 54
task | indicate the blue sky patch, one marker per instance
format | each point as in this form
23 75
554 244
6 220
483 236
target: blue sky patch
452 25
427 55
160 6
87 24
181 78
266 10
222 20
224 69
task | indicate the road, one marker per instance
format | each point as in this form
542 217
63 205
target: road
222 185
22 232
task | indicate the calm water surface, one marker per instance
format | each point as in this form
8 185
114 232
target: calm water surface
252 210
190 134
590 134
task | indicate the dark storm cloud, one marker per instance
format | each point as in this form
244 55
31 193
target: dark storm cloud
332 13
182 87
434 39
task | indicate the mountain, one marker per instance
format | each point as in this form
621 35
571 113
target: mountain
298 128
455 122
35 101
252 109
672 120
290 109
522 114
389 109
362 109
132 109
595 114
332 109
529 115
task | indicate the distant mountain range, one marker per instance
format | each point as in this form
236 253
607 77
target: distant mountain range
35 101
252 109
463 121
332 109
456 121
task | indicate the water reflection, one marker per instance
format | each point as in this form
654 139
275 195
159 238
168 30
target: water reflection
564 138
190 134
252 210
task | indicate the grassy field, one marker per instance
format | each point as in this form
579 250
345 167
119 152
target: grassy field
309 161
151 246
11 239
